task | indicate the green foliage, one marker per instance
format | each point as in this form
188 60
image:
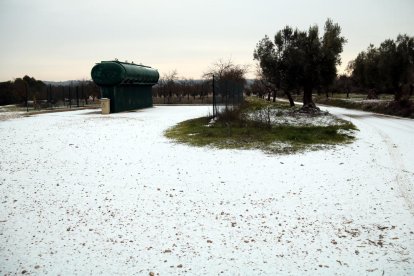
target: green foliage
387 67
301 59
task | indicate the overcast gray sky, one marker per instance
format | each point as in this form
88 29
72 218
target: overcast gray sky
62 40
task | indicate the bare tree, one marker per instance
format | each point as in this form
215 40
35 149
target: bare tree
229 80
225 68
170 83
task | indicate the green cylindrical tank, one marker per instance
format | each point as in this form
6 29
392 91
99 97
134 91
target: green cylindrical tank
111 73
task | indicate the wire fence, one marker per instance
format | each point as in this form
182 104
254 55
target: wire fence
223 94
227 94
43 97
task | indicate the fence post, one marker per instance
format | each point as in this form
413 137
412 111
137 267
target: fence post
84 96
214 99
63 95
27 96
77 96
70 98
50 95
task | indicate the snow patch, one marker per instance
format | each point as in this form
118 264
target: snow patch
82 193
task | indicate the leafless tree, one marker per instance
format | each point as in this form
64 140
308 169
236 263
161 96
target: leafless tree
229 79
170 83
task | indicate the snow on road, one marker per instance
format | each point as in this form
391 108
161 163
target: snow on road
83 193
396 136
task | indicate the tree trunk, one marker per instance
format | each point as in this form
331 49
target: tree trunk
308 103
274 95
398 93
289 96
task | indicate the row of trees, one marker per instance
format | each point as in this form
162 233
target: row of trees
29 90
226 77
304 61
18 90
387 68
170 86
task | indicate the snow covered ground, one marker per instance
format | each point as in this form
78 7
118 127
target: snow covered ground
86 194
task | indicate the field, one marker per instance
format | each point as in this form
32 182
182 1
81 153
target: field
82 193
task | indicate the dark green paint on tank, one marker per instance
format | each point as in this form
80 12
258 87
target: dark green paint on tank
127 97
111 73
127 85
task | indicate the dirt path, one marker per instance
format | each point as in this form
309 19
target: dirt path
396 134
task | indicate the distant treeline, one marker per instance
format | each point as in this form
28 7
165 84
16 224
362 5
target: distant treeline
388 68
29 91
181 91
222 84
